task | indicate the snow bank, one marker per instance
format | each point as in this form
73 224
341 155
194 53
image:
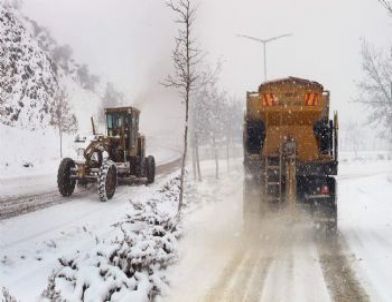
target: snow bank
377 155
129 267
24 152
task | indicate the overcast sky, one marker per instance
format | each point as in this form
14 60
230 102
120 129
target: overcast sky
129 41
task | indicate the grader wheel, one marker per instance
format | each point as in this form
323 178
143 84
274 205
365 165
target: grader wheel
65 183
107 180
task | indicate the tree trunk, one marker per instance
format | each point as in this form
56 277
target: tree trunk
228 153
61 142
187 95
181 197
198 159
216 157
184 58
194 161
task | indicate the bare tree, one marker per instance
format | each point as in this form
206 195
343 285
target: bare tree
232 124
185 58
387 4
200 117
375 90
216 119
218 99
61 116
208 118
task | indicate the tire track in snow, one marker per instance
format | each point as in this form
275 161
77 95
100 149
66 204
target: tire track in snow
278 260
255 288
265 250
242 279
219 291
338 273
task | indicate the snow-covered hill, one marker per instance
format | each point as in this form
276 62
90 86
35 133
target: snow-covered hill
33 66
28 79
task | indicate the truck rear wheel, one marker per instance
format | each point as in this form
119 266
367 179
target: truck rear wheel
150 169
107 180
65 183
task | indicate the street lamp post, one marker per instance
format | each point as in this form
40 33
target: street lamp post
265 42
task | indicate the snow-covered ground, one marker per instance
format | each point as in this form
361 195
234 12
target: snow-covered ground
31 244
282 260
366 224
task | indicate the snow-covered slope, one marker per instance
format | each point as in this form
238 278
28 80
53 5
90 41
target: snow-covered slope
27 77
33 66
30 152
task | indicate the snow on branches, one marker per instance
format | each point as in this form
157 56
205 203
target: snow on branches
131 266
375 89
387 4
5 296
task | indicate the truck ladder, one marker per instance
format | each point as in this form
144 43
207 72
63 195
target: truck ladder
273 179
289 155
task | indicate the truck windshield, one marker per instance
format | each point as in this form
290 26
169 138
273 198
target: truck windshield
114 123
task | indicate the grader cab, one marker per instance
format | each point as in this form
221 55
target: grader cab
291 148
119 154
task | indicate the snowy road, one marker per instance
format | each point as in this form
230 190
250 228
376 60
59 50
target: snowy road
11 206
282 259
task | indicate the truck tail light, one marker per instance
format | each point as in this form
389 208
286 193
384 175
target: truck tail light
324 190
269 100
311 99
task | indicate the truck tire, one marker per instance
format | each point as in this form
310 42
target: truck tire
150 169
107 180
65 183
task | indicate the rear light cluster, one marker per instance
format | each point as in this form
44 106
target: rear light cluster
311 99
324 190
269 99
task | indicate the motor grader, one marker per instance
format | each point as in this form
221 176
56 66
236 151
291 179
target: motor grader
291 149
119 154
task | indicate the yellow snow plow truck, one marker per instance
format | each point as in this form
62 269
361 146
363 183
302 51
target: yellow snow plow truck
291 149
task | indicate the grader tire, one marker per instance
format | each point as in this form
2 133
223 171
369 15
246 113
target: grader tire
150 169
107 181
65 184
